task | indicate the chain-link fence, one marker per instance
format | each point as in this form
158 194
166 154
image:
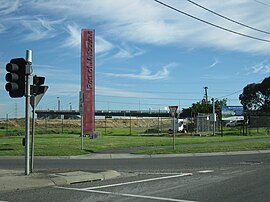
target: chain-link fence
205 124
255 124
105 126
258 123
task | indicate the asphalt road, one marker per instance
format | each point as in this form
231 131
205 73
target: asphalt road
208 178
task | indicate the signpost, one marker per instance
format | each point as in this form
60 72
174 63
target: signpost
173 110
81 109
37 92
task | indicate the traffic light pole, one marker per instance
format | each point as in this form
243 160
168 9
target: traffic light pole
28 68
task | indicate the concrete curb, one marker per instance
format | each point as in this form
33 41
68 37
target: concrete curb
81 176
132 156
11 180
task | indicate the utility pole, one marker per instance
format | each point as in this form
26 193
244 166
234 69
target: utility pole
206 94
214 117
58 103
70 106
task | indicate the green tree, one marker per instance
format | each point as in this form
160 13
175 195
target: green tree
202 107
256 96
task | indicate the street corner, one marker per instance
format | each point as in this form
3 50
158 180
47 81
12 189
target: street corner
12 180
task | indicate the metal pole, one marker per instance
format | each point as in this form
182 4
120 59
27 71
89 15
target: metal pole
214 118
221 128
27 124
62 123
105 126
81 109
58 103
130 124
158 122
174 132
70 106
27 108
33 134
81 131
206 94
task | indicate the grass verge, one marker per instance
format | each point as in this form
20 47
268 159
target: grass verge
70 144
209 148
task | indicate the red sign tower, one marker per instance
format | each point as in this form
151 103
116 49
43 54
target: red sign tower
88 79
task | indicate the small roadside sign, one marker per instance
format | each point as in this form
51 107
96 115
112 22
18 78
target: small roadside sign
173 110
81 107
35 99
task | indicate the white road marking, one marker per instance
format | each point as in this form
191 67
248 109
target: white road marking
205 171
128 195
139 181
140 196
156 173
92 189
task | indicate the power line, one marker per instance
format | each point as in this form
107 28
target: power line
263 3
177 92
229 94
168 92
212 24
222 16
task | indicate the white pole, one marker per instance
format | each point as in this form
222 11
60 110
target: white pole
214 117
27 109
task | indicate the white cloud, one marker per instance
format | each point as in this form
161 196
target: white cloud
147 22
106 91
63 89
103 45
52 73
40 28
74 40
260 69
146 74
216 61
30 28
126 53
71 90
7 7
2 28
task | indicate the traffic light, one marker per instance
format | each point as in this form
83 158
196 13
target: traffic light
16 77
37 88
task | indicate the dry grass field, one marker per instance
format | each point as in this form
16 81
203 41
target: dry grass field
143 123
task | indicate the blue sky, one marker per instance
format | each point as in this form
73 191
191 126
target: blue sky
147 55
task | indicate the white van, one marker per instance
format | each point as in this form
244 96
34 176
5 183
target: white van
180 126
